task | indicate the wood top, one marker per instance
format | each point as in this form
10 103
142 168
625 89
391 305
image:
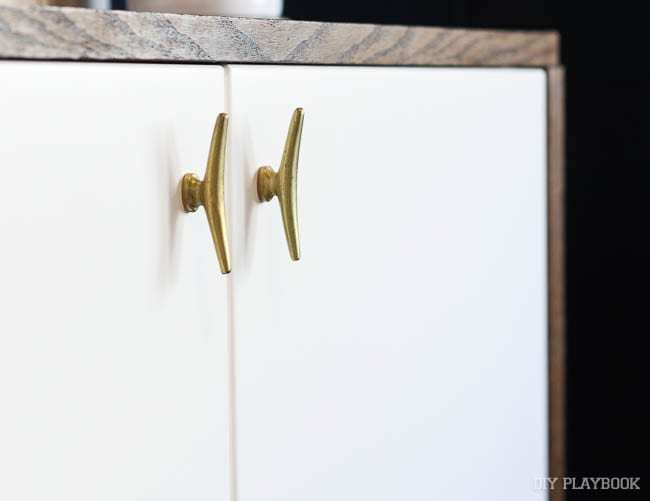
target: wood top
83 34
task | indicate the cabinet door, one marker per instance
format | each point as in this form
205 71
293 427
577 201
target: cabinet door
404 356
112 309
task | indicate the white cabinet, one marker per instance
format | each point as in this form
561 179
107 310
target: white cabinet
113 314
403 357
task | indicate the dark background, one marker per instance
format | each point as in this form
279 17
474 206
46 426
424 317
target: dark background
605 51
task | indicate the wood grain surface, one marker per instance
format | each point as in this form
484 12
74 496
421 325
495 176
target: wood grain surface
556 259
82 34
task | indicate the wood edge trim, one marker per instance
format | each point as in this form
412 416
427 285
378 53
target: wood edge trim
76 34
556 276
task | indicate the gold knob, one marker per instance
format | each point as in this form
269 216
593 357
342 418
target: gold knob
210 192
283 183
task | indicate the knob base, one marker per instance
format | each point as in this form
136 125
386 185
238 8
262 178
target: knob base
191 191
266 183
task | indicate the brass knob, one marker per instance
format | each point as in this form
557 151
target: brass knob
283 183
210 192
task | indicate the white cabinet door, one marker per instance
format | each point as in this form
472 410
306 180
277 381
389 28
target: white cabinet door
404 356
113 379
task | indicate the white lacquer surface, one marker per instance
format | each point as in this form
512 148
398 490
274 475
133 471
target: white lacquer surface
112 307
404 357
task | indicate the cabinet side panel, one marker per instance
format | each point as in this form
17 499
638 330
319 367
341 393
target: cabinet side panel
557 277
